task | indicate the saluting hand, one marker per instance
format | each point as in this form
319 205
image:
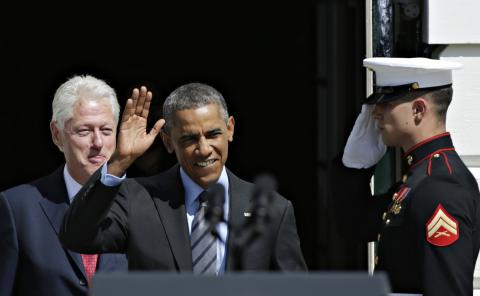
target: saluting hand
364 146
133 138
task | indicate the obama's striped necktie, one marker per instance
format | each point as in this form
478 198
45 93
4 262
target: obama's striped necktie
202 241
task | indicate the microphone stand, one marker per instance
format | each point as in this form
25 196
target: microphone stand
256 226
215 212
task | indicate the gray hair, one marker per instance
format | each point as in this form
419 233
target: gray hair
77 88
192 96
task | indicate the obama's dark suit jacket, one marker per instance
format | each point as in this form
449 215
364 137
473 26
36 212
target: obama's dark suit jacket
146 218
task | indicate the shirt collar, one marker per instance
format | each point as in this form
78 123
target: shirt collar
72 186
192 189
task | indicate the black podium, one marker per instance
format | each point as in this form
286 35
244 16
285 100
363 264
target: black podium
241 284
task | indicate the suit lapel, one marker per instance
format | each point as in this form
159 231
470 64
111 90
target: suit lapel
169 198
239 205
54 204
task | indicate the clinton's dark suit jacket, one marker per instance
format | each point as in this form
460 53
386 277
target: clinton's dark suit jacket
32 259
146 218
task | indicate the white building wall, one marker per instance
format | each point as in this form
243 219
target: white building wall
463 118
451 22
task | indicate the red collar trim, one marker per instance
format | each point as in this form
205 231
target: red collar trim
425 142
439 151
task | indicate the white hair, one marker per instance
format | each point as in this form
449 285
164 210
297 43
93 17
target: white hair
78 88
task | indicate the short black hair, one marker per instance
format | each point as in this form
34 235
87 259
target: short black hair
192 96
441 99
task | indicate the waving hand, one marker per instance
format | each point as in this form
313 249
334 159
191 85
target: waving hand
133 138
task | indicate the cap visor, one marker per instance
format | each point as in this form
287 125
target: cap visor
377 98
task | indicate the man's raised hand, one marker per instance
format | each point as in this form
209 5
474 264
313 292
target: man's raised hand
133 138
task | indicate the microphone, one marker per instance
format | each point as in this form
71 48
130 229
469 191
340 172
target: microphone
254 227
215 201
265 187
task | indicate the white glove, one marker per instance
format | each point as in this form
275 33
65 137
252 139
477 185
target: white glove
364 146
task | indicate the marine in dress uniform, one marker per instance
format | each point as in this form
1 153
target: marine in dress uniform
426 226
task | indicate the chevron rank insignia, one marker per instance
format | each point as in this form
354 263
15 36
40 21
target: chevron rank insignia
442 228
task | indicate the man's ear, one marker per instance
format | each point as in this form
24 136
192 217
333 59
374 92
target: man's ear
419 109
419 106
230 128
167 141
56 138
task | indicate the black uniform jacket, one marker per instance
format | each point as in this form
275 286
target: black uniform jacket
427 225
146 218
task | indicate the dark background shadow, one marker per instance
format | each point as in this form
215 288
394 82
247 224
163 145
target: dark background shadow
291 74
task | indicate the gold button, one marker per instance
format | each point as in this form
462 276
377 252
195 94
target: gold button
409 159
384 216
387 222
436 155
376 260
404 178
379 236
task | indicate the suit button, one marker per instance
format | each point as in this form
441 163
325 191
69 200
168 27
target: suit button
82 283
